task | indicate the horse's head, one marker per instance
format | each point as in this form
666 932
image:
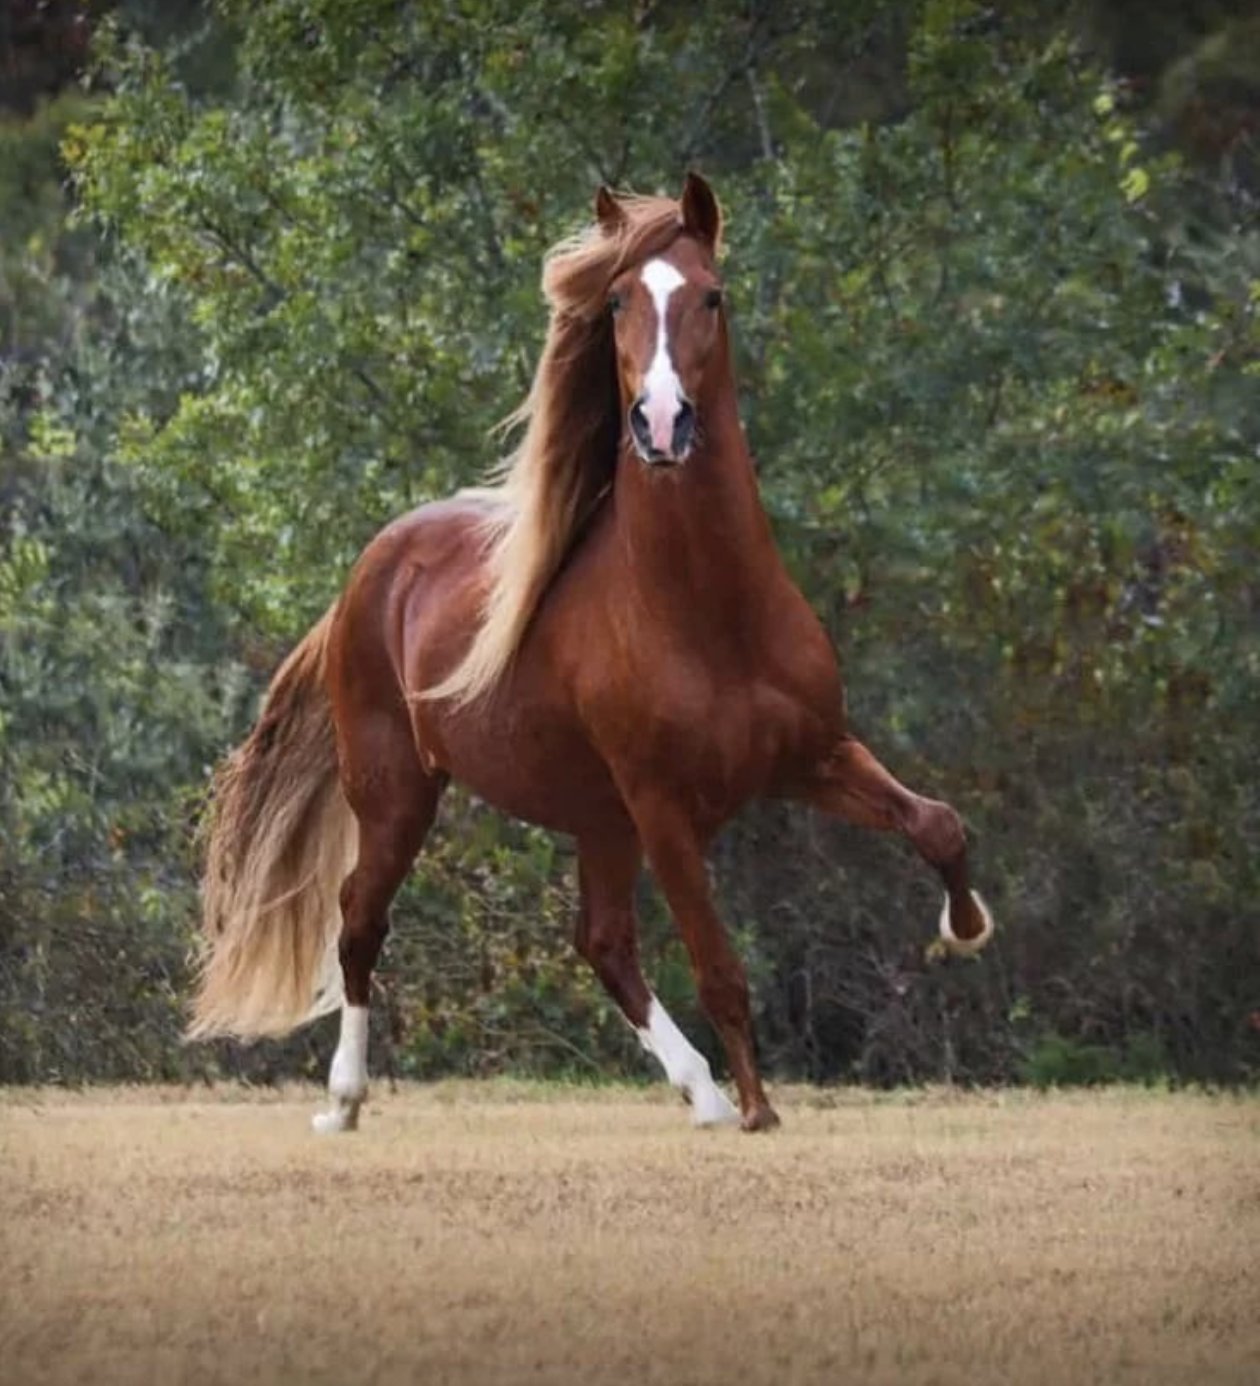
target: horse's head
667 315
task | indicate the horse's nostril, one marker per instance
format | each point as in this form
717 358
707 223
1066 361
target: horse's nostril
684 428
650 439
639 424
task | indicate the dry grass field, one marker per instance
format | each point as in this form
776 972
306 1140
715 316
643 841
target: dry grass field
501 1234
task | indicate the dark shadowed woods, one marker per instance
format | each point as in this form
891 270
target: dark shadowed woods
268 274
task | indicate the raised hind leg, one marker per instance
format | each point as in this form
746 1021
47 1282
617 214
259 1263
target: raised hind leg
675 850
854 786
395 802
607 937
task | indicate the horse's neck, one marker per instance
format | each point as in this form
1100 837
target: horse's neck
694 539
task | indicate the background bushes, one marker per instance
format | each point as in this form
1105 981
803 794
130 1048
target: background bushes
268 274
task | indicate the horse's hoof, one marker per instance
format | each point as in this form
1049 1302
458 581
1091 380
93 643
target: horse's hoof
343 1115
711 1107
979 912
763 1118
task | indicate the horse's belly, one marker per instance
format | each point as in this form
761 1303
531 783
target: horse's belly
528 761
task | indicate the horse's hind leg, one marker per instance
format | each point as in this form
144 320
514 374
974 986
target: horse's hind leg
854 786
395 802
607 937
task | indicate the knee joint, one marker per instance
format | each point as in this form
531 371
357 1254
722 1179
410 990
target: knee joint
940 836
605 948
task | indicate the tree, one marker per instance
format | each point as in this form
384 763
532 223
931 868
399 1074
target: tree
997 350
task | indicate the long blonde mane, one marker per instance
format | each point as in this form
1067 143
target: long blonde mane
572 419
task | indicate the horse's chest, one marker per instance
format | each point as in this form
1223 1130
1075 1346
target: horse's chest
712 714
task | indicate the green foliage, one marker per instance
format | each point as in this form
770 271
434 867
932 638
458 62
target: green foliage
1058 1062
997 353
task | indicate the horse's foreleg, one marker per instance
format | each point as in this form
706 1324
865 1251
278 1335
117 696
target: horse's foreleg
676 855
395 803
607 937
854 786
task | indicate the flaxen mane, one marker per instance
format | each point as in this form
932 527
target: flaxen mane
572 427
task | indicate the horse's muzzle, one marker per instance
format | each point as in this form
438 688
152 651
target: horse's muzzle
682 436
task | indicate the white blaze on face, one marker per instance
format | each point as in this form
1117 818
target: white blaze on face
662 390
686 1068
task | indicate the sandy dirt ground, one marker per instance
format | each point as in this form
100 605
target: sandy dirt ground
501 1233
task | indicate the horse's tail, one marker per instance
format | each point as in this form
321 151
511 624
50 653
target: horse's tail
280 840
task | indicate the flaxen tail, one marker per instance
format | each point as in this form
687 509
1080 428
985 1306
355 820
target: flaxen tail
280 840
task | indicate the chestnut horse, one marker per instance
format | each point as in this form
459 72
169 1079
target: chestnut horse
607 643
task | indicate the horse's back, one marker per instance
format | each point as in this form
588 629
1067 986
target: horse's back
434 548
440 538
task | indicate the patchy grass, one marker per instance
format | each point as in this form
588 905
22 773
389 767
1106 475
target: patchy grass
508 1232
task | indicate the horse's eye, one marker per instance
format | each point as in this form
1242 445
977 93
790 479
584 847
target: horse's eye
614 303
713 299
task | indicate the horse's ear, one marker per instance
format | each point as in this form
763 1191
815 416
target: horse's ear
701 214
610 214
